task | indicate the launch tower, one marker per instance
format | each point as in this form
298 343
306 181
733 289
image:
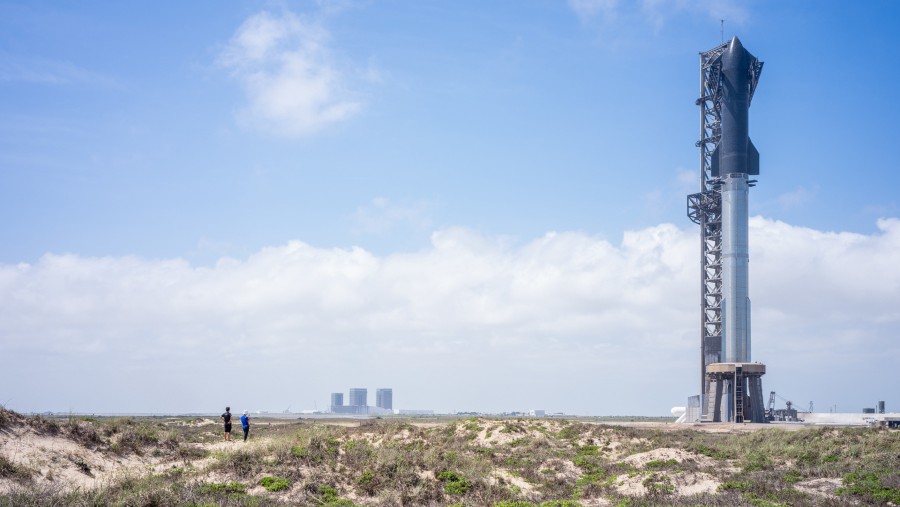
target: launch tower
731 385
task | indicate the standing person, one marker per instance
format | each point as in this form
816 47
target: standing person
245 424
227 418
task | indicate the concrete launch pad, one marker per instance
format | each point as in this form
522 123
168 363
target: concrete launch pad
730 368
734 393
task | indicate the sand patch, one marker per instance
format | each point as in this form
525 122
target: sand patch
492 434
823 488
610 444
502 476
678 483
561 469
612 449
663 454
58 461
373 439
194 423
230 445
594 502
404 436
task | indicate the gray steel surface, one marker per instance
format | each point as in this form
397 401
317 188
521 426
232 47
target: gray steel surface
735 269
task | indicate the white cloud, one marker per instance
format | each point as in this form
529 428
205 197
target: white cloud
557 322
654 200
293 83
687 178
798 197
381 215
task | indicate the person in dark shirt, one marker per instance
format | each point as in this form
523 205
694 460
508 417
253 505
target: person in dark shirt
227 418
245 424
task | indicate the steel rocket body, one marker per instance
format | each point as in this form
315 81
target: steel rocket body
733 161
735 269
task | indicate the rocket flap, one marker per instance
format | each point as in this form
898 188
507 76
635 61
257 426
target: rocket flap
752 159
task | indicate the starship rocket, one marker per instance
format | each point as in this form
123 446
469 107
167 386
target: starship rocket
733 161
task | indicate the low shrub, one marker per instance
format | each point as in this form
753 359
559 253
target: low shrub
588 450
792 477
660 463
472 425
756 462
711 452
808 458
367 482
454 484
871 487
8 418
741 486
275 483
658 484
135 437
300 451
190 452
222 488
9 470
326 493
243 463
43 425
317 450
81 465
85 433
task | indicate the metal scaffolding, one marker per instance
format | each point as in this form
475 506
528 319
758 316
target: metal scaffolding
705 208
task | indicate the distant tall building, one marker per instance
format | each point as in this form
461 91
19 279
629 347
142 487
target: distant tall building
359 397
384 398
337 400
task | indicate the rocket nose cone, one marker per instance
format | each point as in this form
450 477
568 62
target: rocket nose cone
735 45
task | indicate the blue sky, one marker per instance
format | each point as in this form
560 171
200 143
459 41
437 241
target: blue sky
421 191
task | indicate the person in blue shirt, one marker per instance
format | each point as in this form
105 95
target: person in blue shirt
245 423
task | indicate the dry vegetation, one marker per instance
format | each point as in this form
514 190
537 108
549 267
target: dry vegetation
470 462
